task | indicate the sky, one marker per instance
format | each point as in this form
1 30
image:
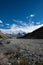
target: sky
20 15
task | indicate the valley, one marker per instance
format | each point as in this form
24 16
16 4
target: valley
18 49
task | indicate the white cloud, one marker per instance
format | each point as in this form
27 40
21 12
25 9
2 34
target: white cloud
31 23
1 21
26 28
38 23
15 29
32 15
23 27
17 21
7 24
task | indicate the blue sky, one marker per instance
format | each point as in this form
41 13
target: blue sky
20 14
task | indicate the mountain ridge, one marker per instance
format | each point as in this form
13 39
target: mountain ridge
36 34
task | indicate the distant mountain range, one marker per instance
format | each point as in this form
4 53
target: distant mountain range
6 36
20 34
37 34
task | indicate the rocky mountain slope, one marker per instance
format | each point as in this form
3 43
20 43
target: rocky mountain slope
37 34
3 36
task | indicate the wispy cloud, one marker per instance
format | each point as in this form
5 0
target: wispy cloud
38 23
25 27
1 22
22 23
17 21
15 29
30 16
7 24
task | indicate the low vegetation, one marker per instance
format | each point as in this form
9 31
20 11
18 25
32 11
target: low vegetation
15 58
21 52
8 42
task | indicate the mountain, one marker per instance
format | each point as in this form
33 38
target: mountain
13 35
37 34
3 36
20 34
